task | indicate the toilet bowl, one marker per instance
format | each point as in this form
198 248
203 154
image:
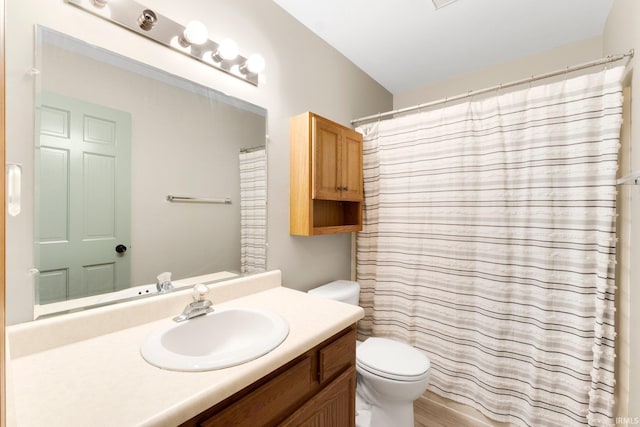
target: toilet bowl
390 374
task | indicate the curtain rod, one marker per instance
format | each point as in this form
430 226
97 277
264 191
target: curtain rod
568 69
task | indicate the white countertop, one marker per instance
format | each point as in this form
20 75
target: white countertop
73 304
103 380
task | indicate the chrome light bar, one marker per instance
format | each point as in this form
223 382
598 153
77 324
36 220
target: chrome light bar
191 39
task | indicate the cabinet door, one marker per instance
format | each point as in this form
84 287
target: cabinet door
326 157
269 402
351 166
334 406
326 189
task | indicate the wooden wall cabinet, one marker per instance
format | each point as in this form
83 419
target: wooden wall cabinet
325 177
315 389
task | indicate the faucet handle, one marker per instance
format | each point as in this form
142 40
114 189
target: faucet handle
199 292
164 277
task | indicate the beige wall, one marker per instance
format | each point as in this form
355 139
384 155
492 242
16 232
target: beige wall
622 32
303 73
518 69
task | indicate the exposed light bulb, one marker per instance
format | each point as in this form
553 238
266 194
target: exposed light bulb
227 50
254 65
99 7
194 33
177 43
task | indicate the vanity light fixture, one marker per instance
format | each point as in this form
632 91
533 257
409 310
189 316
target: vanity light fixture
253 65
227 51
147 20
191 39
101 7
195 33
441 3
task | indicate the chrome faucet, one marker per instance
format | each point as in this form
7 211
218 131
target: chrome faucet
164 282
198 307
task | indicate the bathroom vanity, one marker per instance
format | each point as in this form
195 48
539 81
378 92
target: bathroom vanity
86 369
317 388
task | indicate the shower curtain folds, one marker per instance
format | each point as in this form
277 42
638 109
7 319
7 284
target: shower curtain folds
253 210
489 243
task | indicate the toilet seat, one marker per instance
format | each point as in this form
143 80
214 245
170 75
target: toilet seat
392 360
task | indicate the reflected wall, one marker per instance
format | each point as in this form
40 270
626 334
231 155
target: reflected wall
303 74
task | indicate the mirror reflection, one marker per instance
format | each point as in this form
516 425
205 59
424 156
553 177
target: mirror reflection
139 172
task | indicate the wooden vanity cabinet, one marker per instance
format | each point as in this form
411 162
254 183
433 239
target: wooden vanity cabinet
326 188
315 389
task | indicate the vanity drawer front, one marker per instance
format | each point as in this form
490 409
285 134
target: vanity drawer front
269 401
337 356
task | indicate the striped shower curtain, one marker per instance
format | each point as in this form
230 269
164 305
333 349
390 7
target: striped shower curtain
253 211
489 243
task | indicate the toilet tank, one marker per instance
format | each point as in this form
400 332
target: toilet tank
340 290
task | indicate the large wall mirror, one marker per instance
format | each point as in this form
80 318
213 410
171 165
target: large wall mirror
115 140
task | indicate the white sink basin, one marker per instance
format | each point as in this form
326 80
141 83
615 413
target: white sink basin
223 338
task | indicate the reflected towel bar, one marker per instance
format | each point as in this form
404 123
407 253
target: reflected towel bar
632 179
185 199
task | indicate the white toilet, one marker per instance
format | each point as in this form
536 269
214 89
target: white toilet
390 374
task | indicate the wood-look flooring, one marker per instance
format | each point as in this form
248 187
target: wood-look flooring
431 410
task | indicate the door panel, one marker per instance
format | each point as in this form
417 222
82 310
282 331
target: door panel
99 279
53 284
54 122
99 176
326 149
54 194
99 130
352 167
83 158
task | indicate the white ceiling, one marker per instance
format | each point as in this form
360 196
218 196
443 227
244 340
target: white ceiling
405 44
